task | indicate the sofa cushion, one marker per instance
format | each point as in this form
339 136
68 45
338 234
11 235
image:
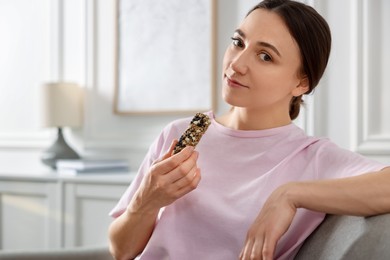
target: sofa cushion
81 253
348 237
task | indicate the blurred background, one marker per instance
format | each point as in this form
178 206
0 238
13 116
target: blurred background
75 41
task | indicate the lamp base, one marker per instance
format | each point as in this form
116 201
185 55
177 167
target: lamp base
58 150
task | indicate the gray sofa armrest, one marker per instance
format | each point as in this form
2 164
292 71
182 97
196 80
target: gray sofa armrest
81 253
348 237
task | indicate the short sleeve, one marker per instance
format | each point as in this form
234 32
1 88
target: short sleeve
335 162
130 191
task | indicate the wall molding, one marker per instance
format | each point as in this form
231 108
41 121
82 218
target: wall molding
371 139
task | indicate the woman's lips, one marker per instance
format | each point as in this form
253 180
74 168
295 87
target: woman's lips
234 83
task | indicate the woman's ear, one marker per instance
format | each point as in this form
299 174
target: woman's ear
302 87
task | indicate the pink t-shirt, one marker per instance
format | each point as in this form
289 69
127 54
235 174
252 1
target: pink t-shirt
239 169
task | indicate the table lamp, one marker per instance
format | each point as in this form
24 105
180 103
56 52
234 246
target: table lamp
62 104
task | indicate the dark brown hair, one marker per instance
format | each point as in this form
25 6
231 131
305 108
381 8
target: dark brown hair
312 34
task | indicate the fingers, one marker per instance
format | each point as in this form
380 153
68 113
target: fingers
257 249
273 221
170 151
167 154
268 248
247 250
261 239
252 249
184 169
169 162
188 182
185 177
175 175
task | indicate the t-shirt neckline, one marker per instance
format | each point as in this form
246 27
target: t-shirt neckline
250 133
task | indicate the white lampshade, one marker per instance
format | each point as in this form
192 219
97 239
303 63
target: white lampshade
62 104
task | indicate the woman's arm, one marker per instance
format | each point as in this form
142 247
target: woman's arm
168 179
363 195
130 232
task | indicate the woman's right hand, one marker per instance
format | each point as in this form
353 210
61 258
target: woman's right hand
168 179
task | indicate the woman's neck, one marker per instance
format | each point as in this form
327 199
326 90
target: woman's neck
244 119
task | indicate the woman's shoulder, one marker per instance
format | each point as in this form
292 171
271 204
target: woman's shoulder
325 145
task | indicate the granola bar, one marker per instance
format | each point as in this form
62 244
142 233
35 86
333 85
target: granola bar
194 132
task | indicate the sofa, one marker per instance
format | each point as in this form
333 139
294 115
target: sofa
79 253
349 237
338 237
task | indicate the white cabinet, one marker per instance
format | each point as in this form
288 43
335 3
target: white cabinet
29 215
50 211
86 217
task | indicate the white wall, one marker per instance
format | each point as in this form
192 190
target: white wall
74 40
352 103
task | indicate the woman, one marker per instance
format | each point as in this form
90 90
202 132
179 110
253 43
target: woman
265 185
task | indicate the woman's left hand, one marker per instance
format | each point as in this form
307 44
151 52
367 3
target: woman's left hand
272 222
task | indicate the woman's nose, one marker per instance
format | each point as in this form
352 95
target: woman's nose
239 63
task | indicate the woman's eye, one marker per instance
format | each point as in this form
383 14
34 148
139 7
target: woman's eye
237 42
265 57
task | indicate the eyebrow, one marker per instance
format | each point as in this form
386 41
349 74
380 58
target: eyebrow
264 44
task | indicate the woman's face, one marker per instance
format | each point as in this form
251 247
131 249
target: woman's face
262 64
